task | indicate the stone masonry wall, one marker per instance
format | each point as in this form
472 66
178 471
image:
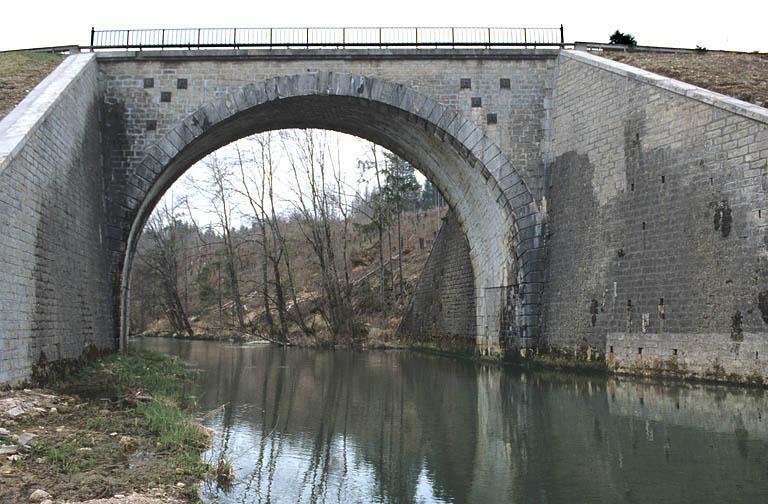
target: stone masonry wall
657 231
715 356
164 88
55 296
500 95
442 309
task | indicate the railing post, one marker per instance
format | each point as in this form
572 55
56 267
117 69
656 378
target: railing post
234 38
489 38
127 39
525 37
562 37
162 39
379 38
307 38
270 38
417 37
93 32
198 38
453 37
343 37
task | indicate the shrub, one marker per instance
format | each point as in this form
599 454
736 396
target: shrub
623 39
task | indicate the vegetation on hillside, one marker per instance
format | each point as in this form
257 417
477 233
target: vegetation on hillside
20 72
297 255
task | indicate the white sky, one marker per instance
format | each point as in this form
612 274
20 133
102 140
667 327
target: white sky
736 24
346 151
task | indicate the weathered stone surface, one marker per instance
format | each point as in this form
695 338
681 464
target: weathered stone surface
8 450
657 221
26 438
54 263
619 201
442 309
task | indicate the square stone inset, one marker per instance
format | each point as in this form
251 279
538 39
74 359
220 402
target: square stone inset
149 83
165 96
491 119
477 102
465 83
181 83
505 83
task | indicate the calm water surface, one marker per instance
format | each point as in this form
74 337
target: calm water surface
343 426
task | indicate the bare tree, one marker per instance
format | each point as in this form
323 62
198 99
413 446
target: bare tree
342 205
378 214
281 250
164 231
261 201
217 187
315 208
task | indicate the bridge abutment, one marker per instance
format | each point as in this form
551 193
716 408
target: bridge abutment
55 285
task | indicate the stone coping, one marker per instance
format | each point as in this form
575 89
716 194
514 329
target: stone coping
16 127
337 54
721 101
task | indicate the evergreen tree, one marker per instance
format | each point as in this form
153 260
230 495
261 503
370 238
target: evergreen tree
427 198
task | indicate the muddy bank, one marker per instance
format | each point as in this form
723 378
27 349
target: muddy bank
117 429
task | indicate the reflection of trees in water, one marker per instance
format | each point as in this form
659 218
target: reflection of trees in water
396 414
321 426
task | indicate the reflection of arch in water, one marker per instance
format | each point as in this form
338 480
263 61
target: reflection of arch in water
497 213
712 408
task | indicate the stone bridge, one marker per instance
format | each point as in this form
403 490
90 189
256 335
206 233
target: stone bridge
598 208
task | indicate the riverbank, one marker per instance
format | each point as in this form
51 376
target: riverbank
378 341
117 426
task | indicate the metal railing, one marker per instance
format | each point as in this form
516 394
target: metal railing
296 38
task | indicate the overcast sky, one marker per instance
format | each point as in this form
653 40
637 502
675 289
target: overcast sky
736 24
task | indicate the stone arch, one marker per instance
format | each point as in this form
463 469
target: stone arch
494 207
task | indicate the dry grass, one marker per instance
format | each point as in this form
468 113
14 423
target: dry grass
744 76
20 72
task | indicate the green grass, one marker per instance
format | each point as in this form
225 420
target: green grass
119 375
67 457
26 59
152 387
177 435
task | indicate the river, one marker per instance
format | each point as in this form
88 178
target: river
304 425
